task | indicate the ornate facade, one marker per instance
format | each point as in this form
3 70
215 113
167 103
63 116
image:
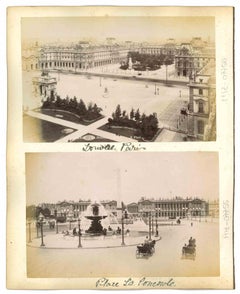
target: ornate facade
161 208
189 61
173 208
202 104
77 59
30 57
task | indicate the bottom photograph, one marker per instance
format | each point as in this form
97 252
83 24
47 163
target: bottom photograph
122 215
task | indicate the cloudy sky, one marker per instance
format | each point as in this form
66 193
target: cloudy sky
52 177
149 29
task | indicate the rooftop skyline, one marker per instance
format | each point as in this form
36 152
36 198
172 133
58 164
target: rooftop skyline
53 177
138 29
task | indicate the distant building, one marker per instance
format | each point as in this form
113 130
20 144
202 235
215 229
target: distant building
45 85
81 57
202 104
132 209
161 208
214 209
189 60
30 57
110 206
169 49
173 208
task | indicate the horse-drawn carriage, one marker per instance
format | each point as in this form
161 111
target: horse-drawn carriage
146 249
189 251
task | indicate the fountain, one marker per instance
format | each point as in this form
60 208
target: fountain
95 213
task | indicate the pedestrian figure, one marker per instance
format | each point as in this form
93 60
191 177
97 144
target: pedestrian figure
191 224
74 232
146 241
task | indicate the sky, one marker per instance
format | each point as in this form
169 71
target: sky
53 177
143 29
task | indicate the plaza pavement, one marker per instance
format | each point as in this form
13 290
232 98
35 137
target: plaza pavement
121 261
161 75
165 100
60 241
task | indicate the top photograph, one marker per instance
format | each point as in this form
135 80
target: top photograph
118 79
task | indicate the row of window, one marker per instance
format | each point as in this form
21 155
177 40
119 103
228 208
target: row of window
189 64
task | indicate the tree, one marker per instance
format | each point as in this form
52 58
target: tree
82 107
46 212
38 211
143 116
73 104
137 115
90 106
124 113
118 112
132 114
96 109
149 126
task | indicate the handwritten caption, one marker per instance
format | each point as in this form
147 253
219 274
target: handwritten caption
224 75
123 147
130 282
226 218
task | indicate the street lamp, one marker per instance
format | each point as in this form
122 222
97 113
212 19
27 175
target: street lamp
37 227
149 223
124 216
29 232
56 225
41 225
79 234
200 214
100 82
152 224
156 225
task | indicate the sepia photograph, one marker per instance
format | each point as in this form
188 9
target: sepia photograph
139 215
145 200
118 79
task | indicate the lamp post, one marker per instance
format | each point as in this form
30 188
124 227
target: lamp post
79 234
200 214
124 215
56 225
152 224
41 225
150 230
100 81
123 243
29 232
37 227
156 225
